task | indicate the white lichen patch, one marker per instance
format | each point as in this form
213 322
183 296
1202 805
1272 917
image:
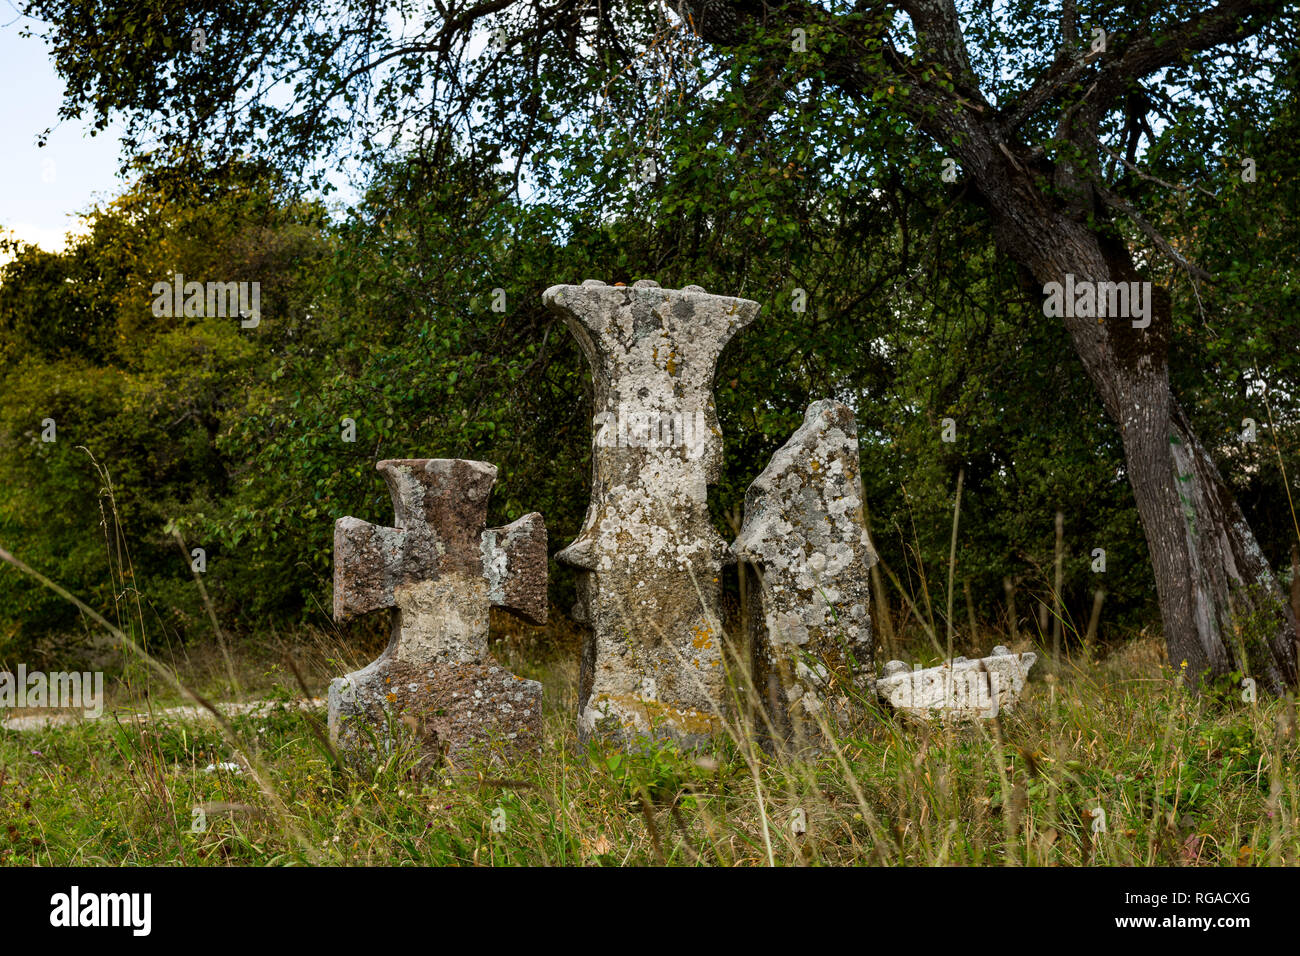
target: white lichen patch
443 620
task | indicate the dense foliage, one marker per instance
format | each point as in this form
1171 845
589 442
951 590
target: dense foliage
764 178
383 315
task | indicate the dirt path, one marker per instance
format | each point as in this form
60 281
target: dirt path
58 718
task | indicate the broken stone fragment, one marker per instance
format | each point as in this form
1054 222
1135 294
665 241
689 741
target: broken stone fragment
440 572
650 559
809 619
959 690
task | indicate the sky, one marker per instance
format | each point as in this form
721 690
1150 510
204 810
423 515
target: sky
43 189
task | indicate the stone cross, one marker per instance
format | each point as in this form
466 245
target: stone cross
652 663
809 613
440 572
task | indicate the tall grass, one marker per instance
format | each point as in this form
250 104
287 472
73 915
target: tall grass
1179 781
1104 762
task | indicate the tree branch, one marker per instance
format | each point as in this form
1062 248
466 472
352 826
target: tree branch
1230 20
1152 233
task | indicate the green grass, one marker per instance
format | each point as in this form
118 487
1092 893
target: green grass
1182 781
1104 762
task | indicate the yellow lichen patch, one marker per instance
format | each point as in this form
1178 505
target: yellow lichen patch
703 638
657 714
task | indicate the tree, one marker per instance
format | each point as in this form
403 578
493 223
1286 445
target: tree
88 369
1054 120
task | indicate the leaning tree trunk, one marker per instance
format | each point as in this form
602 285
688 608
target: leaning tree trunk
1222 607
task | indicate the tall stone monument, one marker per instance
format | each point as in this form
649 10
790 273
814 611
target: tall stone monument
652 663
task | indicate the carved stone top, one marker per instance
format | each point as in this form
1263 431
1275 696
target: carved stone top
440 507
653 353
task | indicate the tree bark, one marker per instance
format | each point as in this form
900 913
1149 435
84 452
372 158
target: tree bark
1222 606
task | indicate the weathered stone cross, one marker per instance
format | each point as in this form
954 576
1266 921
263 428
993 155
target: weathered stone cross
650 591
440 572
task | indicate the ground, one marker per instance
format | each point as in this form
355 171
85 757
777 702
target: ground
1105 762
